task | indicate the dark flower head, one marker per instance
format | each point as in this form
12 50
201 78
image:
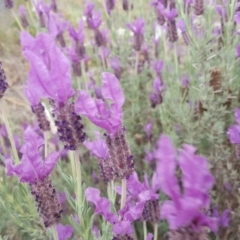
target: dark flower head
3 83
8 4
23 16
137 28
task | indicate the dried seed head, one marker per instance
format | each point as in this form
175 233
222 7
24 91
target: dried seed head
70 128
172 31
8 4
151 211
216 79
47 201
120 154
199 7
3 83
39 111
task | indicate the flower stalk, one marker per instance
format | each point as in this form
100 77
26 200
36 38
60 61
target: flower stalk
9 131
124 192
54 231
17 20
156 231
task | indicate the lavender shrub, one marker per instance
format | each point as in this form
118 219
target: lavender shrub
123 82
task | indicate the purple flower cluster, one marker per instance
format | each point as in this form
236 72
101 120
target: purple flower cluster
185 209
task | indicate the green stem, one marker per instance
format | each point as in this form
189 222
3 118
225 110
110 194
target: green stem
155 231
176 58
79 178
144 230
16 19
45 144
136 63
55 234
9 131
84 74
124 192
71 156
112 188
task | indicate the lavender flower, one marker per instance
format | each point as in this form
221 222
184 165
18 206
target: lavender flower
56 27
156 96
115 65
110 119
89 13
3 83
50 77
223 219
39 5
125 5
143 193
54 5
159 13
35 172
78 39
171 24
137 27
110 4
148 129
199 7
37 109
184 211
8 4
182 27
234 133
122 229
99 149
64 232
23 16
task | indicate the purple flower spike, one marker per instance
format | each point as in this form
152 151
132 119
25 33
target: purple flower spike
64 232
224 219
3 83
102 205
110 4
97 147
148 129
50 72
23 16
32 168
137 27
35 171
115 65
8 4
185 208
97 111
158 67
56 28
122 229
